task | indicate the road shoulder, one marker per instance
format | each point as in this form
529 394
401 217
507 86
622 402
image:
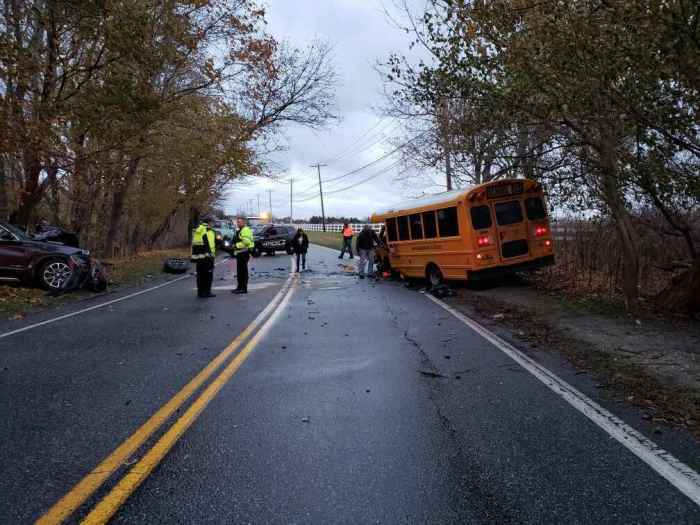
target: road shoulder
652 364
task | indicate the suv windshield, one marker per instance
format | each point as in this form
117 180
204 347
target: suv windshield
17 232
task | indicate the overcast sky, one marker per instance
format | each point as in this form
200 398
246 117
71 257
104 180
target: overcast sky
361 35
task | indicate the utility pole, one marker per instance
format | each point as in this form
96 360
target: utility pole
291 193
445 118
320 189
269 195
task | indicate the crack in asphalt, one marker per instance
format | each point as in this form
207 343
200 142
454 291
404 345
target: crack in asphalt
473 478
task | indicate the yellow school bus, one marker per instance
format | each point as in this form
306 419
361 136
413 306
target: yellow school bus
470 233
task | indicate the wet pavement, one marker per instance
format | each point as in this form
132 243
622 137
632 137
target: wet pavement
364 403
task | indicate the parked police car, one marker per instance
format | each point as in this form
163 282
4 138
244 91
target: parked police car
271 238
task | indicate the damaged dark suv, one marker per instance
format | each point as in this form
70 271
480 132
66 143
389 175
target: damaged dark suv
51 265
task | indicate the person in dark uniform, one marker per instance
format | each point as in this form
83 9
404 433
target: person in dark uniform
244 243
300 245
203 254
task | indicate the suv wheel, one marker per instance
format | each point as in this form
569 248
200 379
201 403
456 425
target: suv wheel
255 252
54 274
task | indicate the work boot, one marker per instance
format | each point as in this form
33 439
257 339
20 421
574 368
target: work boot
239 291
207 295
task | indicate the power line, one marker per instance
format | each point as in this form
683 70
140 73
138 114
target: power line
356 141
375 161
355 184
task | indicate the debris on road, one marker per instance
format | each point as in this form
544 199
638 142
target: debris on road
429 373
442 290
176 265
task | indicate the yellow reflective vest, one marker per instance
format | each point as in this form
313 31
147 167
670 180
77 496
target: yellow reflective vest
245 240
203 243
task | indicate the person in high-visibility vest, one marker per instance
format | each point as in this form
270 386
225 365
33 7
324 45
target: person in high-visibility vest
203 254
243 244
347 241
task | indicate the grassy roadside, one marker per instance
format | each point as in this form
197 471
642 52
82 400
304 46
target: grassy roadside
327 239
16 302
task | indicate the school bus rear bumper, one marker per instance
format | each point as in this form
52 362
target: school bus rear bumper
532 264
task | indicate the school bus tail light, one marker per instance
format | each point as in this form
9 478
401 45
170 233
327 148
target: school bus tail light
541 231
548 243
483 240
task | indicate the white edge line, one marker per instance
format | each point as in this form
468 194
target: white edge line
680 475
98 306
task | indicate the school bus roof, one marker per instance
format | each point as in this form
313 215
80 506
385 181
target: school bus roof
444 198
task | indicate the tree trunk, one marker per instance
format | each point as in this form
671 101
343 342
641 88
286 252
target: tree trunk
55 197
612 195
118 200
31 191
4 207
78 216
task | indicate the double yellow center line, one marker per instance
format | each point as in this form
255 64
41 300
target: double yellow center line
109 505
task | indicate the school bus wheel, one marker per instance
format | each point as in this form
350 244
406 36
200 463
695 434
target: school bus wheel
433 275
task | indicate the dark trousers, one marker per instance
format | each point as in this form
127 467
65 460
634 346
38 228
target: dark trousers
347 245
303 261
242 270
205 276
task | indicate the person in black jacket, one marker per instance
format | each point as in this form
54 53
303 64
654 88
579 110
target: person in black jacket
300 245
367 241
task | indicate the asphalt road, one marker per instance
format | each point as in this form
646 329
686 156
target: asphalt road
357 402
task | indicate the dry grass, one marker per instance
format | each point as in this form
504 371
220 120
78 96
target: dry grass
328 239
590 266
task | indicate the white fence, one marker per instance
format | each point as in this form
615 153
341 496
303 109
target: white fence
356 227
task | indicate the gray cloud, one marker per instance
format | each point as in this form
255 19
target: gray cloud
361 35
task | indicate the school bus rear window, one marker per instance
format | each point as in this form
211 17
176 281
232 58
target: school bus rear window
429 225
481 217
391 229
508 213
534 207
447 222
403 228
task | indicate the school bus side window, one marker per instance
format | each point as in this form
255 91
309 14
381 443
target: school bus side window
416 228
391 229
429 225
481 217
447 222
403 228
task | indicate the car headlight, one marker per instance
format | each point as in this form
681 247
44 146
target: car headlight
227 243
218 236
86 253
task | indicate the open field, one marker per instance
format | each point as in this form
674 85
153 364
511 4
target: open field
328 239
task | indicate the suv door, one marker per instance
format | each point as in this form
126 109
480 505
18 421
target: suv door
14 256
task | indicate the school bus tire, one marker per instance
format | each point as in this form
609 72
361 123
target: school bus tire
433 275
